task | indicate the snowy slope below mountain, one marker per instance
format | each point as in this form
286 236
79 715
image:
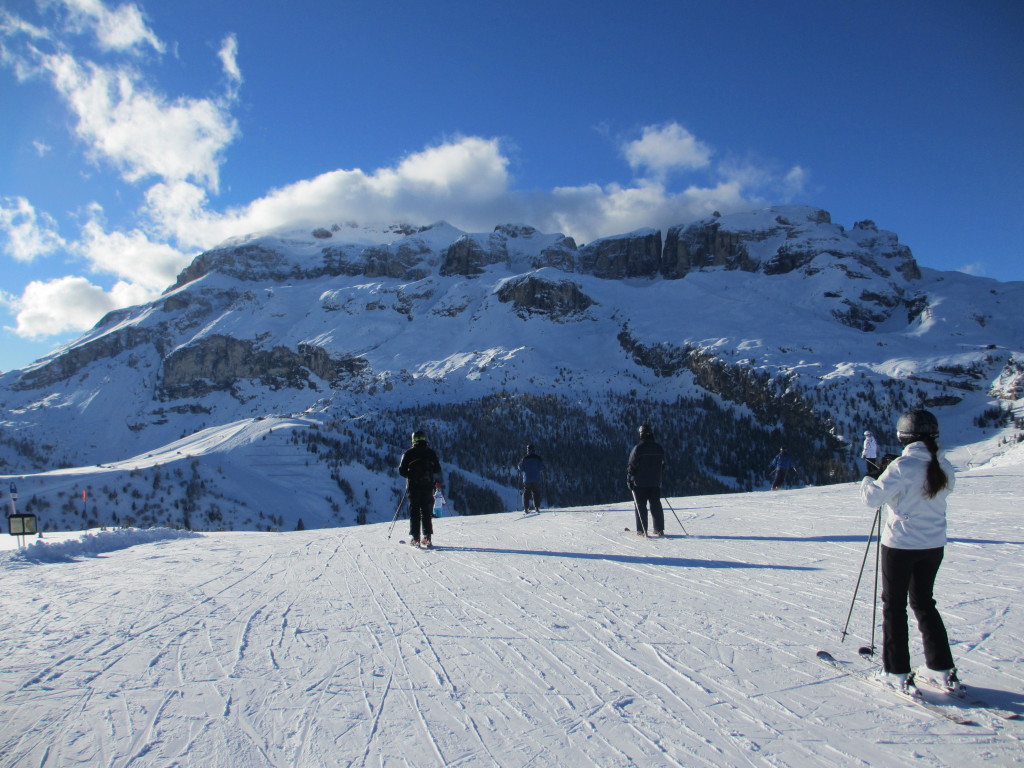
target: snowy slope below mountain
551 640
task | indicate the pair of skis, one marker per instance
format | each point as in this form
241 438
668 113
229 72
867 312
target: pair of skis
417 544
957 708
642 535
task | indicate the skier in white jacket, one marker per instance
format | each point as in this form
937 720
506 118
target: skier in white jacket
870 455
913 489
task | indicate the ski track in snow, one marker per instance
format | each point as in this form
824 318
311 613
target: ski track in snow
553 640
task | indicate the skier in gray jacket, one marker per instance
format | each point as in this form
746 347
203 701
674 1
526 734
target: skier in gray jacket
913 489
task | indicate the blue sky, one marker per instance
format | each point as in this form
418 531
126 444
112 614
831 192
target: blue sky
136 135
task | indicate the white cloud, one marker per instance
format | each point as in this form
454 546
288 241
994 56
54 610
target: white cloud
57 306
765 178
178 211
795 182
592 211
13 26
466 179
977 269
138 130
122 29
469 165
663 148
147 265
228 55
29 234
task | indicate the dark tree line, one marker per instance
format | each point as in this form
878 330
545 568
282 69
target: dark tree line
712 446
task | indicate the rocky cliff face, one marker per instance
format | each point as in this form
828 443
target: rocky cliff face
404 255
693 247
519 246
77 359
637 254
774 241
803 240
531 294
873 275
783 240
1009 385
466 257
244 262
217 362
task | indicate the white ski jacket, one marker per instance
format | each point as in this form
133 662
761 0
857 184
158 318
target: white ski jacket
870 449
913 521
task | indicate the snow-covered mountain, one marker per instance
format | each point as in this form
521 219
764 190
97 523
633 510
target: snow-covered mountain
275 384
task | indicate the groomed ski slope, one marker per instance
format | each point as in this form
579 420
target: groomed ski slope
550 640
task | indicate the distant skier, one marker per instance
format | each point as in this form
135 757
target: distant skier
913 488
782 463
531 468
870 455
422 472
643 477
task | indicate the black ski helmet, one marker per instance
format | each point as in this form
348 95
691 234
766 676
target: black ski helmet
646 431
419 436
916 424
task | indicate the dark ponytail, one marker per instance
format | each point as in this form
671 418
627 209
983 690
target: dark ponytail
935 479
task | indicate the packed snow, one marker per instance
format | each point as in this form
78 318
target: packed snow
556 639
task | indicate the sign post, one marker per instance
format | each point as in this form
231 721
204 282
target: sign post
20 525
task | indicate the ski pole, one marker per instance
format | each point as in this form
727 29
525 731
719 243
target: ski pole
874 607
869 650
874 522
676 517
642 519
397 510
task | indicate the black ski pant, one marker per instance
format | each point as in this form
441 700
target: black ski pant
641 498
531 490
421 511
780 479
910 574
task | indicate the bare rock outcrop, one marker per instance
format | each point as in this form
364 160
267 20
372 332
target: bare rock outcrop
557 299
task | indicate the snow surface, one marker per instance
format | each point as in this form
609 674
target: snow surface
549 640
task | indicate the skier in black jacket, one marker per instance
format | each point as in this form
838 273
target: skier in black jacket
422 472
532 470
643 476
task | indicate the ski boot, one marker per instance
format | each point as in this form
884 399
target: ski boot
899 681
946 679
